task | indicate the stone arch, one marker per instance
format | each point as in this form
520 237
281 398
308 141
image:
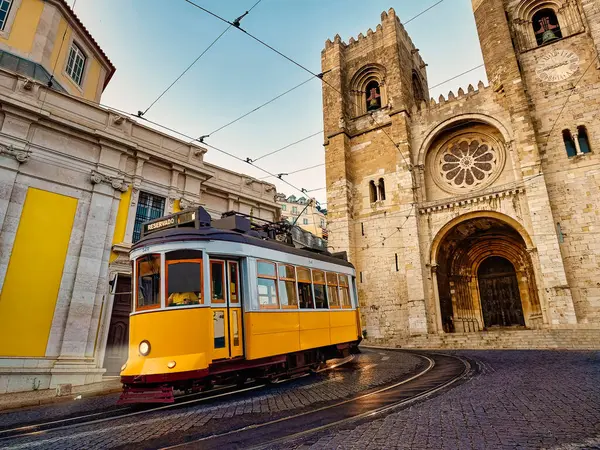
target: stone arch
459 250
461 118
358 85
441 234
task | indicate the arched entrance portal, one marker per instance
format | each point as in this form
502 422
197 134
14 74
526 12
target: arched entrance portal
499 291
485 277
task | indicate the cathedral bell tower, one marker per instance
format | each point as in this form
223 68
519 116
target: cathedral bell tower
369 86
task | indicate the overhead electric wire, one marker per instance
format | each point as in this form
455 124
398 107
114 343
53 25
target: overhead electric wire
141 113
258 107
287 146
422 12
457 76
280 175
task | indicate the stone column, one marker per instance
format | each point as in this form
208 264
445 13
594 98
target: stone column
436 298
173 188
75 364
575 134
10 160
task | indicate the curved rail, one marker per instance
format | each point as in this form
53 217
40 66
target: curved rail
441 372
121 413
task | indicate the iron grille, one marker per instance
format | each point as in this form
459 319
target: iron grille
149 207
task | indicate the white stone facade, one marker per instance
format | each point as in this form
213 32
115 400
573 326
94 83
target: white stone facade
61 144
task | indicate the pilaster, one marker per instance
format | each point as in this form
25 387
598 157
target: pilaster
89 270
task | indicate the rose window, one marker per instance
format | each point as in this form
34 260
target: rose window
467 163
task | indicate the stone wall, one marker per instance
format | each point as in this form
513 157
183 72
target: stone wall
391 241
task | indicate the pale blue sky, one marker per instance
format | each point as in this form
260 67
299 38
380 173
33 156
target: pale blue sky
151 43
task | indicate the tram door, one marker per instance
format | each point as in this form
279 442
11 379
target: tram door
226 308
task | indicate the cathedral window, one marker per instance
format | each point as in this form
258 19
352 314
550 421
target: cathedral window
381 189
373 96
584 142
546 26
372 191
569 143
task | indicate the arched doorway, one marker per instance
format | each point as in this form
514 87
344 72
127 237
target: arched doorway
485 277
499 293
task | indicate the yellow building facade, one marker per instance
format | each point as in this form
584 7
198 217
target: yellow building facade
77 180
304 213
48 34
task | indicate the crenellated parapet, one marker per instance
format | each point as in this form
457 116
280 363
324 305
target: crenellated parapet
452 99
389 19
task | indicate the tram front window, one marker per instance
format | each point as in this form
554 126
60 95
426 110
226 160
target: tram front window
148 282
184 282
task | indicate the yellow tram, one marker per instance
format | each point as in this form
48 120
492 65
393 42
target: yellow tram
226 300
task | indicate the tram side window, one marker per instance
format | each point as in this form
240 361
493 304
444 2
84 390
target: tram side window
267 285
332 290
184 282
320 289
287 286
217 276
148 282
305 293
344 292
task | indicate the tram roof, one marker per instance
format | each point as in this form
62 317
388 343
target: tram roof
209 233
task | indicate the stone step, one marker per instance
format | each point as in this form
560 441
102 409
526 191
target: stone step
583 339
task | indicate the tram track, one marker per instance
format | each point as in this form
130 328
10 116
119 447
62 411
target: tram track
441 372
37 429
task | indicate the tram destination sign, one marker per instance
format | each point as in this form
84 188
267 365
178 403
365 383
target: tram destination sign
176 220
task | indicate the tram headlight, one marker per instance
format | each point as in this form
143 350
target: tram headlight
171 364
144 348
123 367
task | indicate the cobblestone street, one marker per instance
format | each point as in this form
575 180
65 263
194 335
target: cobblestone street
369 370
520 399
514 399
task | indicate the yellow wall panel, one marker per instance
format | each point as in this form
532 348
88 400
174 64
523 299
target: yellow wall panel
25 25
176 206
92 78
121 221
34 273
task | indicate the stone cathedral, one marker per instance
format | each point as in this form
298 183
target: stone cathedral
472 219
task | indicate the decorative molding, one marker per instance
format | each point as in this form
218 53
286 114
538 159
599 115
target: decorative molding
21 155
122 263
470 201
185 203
118 120
116 183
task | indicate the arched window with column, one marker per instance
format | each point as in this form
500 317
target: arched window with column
546 26
368 88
